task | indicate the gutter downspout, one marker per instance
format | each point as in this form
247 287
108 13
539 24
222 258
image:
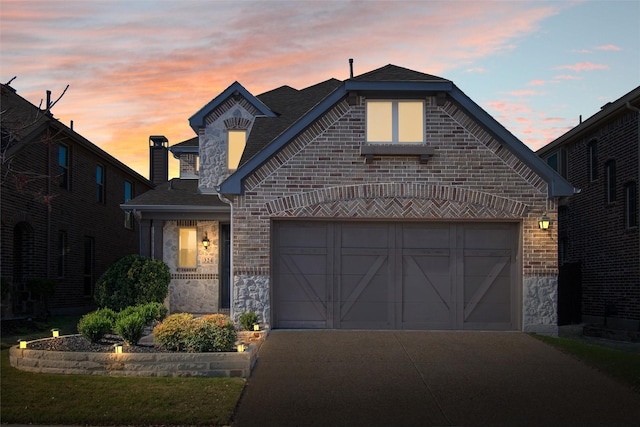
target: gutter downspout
223 199
637 110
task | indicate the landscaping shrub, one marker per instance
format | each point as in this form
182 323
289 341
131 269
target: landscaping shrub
150 312
130 327
247 320
172 332
95 325
133 280
215 332
181 332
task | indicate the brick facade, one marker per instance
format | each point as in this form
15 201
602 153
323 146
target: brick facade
34 215
593 230
321 174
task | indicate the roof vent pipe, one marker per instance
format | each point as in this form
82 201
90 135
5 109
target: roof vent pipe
350 68
48 100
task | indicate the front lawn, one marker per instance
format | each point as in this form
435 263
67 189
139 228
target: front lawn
32 398
621 365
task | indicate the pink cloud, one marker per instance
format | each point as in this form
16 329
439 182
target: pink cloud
567 77
608 47
523 92
583 66
536 83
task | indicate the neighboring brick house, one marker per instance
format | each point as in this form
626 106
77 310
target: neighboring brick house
599 243
61 218
389 200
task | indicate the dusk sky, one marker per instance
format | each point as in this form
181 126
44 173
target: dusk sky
143 67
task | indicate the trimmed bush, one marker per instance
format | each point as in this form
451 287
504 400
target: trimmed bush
133 280
210 333
247 320
130 327
171 334
95 325
150 312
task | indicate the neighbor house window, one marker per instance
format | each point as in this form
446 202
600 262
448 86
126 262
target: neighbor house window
128 191
237 142
593 160
631 204
610 181
558 161
128 195
395 122
187 248
63 166
99 184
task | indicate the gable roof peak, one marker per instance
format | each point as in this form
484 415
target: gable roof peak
235 89
392 72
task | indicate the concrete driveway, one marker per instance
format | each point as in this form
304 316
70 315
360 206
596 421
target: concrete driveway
380 378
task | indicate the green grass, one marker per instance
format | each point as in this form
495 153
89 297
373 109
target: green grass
621 365
32 398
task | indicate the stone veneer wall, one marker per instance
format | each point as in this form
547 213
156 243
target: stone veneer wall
193 290
232 114
321 174
226 364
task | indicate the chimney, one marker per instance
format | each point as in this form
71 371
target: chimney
158 159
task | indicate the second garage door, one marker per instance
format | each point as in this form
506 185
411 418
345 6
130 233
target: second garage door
380 275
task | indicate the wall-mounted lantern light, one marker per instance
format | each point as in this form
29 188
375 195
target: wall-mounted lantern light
205 241
544 222
55 332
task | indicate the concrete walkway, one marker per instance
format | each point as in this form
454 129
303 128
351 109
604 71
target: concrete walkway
380 378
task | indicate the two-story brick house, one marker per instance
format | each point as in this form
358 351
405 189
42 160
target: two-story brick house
61 218
389 200
599 243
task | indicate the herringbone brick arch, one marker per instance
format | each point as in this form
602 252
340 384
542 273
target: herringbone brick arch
396 200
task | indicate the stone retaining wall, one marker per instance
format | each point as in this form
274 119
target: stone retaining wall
136 364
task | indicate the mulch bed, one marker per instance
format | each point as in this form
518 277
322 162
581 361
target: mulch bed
80 343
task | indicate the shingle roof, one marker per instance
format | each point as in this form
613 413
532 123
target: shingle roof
393 73
176 192
290 105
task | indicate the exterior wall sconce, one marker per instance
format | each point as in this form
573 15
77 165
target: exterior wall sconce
55 332
241 348
205 241
117 348
544 222
23 343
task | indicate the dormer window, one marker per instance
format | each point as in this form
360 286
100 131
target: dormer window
395 122
237 139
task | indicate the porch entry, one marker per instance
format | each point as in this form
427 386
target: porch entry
395 275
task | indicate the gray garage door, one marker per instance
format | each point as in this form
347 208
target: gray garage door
380 275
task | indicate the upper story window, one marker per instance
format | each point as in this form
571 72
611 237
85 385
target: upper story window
63 166
395 122
100 184
128 191
237 140
558 161
593 161
187 247
610 181
631 204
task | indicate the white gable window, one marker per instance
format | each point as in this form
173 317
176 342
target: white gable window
395 122
187 247
236 143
